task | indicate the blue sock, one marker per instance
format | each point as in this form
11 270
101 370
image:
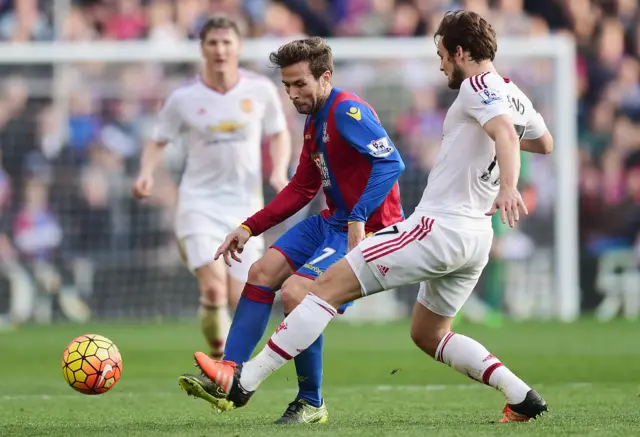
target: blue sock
249 322
309 370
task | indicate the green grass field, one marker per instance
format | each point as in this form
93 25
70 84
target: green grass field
588 372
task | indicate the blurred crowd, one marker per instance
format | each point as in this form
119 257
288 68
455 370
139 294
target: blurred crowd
64 187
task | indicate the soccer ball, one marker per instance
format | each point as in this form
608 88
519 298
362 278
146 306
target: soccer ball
91 364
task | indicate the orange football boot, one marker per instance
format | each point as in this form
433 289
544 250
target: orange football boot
532 407
220 373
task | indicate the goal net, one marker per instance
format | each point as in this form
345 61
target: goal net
73 118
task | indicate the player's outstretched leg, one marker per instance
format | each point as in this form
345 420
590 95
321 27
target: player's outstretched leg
431 333
336 287
308 406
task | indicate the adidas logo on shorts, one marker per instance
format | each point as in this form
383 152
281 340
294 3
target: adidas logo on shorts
382 269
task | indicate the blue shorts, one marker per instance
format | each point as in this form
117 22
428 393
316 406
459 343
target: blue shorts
312 246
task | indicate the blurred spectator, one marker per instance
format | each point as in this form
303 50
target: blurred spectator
22 20
37 232
126 20
84 121
162 27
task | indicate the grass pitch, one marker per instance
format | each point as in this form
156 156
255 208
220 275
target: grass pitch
587 371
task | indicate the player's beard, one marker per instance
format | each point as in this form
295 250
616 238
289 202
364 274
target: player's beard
304 108
310 108
456 78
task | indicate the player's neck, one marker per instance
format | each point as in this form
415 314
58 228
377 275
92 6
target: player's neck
322 100
475 68
220 82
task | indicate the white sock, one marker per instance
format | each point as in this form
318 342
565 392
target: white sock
472 359
297 332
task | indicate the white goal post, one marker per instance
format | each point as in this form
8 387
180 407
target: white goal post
559 49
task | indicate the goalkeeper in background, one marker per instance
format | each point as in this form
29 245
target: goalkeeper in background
224 113
348 153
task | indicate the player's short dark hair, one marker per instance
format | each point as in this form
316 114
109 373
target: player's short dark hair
469 31
218 22
314 50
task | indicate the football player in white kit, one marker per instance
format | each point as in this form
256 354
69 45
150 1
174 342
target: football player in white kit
444 245
223 114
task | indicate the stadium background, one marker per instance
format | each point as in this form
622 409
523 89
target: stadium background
75 245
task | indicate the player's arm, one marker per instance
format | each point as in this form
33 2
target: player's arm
302 188
493 112
151 156
166 129
537 138
500 129
360 127
275 127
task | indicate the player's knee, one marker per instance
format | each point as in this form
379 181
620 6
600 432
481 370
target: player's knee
259 273
426 339
213 291
294 291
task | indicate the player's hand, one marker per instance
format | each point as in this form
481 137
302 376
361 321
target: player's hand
510 204
142 186
233 245
356 234
278 181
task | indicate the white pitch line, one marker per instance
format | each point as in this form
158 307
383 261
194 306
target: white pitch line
346 390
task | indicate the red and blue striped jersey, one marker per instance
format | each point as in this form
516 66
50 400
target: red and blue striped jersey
348 154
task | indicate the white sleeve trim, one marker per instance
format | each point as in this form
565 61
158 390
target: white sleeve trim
536 128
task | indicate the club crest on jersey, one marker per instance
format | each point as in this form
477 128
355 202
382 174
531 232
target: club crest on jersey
380 148
318 158
246 105
325 135
489 96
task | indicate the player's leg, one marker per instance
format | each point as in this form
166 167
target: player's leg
249 323
439 300
198 251
309 406
300 330
234 289
266 276
432 333
286 255
343 282
251 317
239 272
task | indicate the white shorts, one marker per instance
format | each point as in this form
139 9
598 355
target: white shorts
200 236
445 254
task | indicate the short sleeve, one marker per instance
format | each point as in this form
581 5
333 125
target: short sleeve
168 122
274 120
482 102
536 127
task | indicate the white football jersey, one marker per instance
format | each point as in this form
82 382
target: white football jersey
465 179
223 137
